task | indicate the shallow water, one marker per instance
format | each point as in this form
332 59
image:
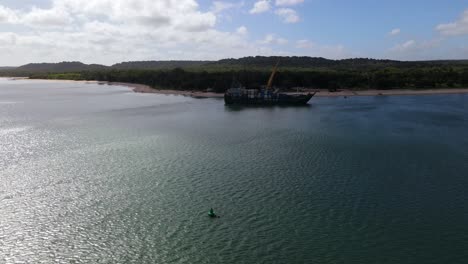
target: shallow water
98 174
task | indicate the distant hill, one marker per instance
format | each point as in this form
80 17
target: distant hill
59 67
75 66
300 62
156 65
261 61
318 62
247 63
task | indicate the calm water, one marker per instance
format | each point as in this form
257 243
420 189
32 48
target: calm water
99 174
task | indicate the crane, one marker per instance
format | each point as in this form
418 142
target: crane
272 76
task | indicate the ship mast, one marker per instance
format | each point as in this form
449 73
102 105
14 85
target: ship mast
270 81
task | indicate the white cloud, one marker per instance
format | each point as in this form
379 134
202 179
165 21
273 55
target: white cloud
288 2
456 28
260 7
46 18
242 30
7 15
220 6
288 15
394 32
405 46
109 31
182 14
7 39
413 46
304 44
421 50
272 39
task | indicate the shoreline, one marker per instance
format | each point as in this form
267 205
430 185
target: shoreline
141 88
373 92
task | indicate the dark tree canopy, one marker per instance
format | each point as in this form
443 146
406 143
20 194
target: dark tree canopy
308 72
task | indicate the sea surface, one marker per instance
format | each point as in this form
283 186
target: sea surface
98 174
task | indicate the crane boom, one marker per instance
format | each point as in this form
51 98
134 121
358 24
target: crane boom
272 76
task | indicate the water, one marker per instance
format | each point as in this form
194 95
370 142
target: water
98 174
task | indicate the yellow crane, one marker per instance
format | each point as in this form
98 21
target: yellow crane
272 76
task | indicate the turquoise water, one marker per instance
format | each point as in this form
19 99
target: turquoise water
98 174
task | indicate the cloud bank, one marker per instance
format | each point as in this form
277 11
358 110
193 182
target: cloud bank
109 31
457 28
288 15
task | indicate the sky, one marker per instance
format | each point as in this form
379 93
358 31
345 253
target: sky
112 31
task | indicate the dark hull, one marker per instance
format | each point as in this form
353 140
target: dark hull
282 99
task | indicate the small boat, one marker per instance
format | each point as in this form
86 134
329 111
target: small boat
211 213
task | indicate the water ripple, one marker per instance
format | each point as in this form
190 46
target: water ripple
130 180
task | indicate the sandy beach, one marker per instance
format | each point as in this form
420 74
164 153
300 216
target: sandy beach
139 88
326 93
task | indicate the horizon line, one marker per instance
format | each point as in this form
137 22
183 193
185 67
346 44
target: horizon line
191 60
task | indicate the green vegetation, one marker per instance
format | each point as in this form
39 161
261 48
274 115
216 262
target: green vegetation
63 76
253 72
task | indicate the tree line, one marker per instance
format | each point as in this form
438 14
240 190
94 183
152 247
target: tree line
219 81
253 72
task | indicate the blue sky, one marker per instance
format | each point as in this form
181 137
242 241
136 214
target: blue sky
109 31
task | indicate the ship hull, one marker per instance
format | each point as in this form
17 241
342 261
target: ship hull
280 99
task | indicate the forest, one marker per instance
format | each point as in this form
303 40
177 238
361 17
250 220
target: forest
253 72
